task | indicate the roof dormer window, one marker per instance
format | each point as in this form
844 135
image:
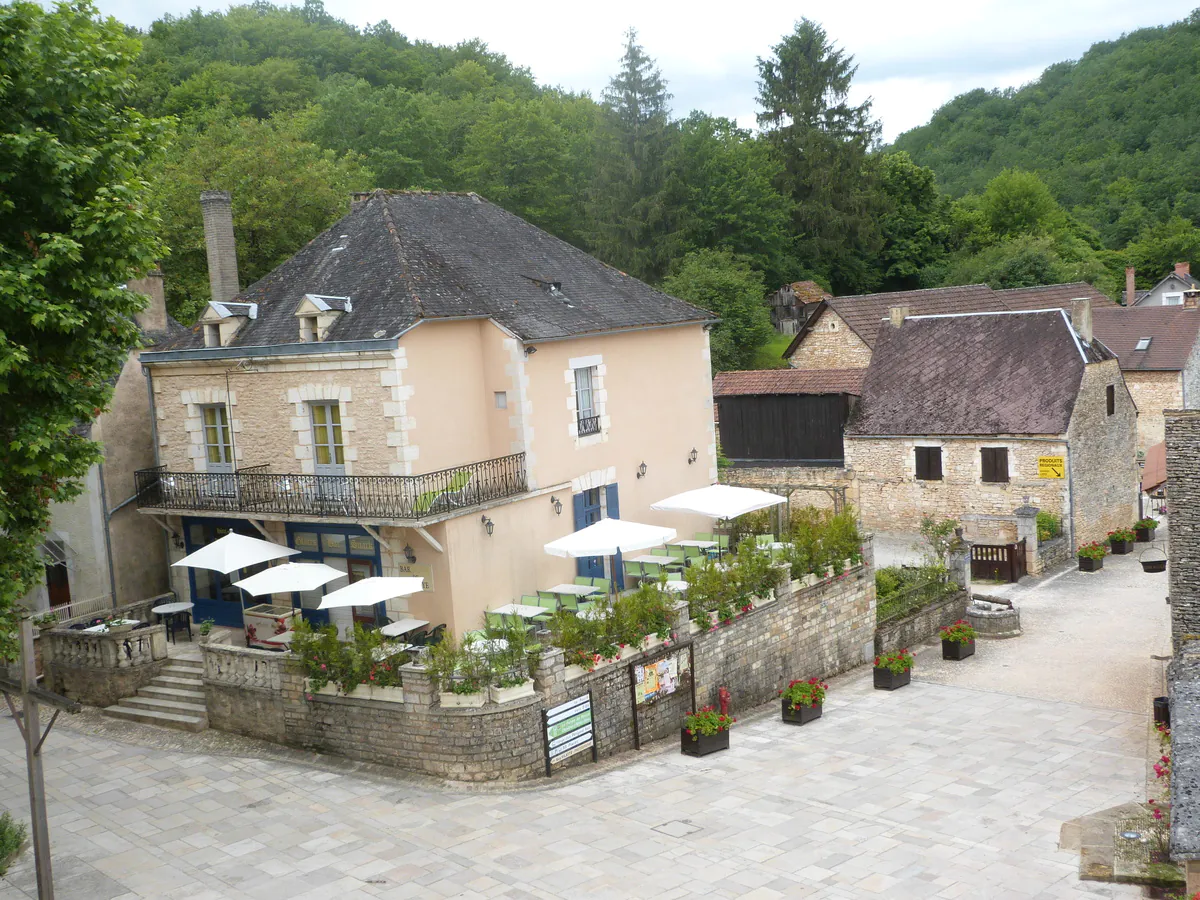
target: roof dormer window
1143 344
221 321
212 335
317 313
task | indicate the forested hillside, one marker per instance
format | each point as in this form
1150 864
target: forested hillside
1114 134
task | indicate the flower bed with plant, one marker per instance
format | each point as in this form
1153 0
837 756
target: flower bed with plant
1121 534
706 722
804 693
897 661
1094 550
627 621
1049 526
363 660
1147 524
958 633
730 589
467 668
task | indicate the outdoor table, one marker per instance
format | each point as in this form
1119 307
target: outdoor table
675 586
285 638
175 614
520 609
703 545
596 612
579 590
404 626
103 626
387 651
488 645
656 560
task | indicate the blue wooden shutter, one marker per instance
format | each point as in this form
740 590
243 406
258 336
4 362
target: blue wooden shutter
577 504
613 508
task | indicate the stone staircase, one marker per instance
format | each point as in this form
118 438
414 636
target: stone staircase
174 699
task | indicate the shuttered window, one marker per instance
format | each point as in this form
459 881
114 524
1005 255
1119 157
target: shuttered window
995 464
929 463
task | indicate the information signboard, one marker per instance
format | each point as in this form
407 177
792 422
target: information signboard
568 728
1052 467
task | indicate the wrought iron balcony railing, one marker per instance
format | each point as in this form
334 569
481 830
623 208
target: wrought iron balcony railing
589 425
256 491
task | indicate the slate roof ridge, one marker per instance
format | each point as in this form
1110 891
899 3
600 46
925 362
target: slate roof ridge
390 224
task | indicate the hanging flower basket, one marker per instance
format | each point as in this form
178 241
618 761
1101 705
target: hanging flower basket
1153 564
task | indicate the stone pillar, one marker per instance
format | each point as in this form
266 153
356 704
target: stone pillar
1183 543
680 625
868 551
1027 532
418 685
959 561
550 676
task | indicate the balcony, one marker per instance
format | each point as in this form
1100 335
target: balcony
588 425
255 492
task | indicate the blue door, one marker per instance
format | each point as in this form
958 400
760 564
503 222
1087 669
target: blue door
587 512
213 594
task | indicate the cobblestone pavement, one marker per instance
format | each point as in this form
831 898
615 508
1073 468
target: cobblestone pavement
947 788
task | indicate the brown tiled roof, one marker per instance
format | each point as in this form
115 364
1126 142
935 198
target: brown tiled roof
788 381
1051 296
809 292
1012 373
864 312
1172 331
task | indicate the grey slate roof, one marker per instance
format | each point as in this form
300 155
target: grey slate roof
973 374
1184 680
404 256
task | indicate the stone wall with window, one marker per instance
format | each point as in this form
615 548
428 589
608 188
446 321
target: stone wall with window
892 498
830 344
1152 393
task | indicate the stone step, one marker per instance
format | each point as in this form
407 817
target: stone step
153 717
181 671
171 693
188 684
171 705
186 663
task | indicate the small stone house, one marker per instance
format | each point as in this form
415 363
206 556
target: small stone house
972 416
840 332
1157 349
1171 289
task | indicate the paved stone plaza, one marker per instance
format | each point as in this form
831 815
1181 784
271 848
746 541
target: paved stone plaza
952 787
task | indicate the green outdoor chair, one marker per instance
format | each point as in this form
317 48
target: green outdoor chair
633 571
583 581
568 601
723 541
602 584
651 570
692 552
531 600
700 536
546 595
495 620
679 553
764 540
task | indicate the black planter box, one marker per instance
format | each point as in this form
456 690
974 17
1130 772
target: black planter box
957 649
703 744
887 680
1120 548
1087 564
1144 535
801 716
1162 711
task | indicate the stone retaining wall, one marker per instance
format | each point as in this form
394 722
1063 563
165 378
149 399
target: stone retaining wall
810 629
921 626
1054 553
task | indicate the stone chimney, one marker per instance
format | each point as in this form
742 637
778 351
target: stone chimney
1191 299
897 315
1081 319
1130 286
358 198
154 316
218 240
1183 269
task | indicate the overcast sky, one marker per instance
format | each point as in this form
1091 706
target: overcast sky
912 57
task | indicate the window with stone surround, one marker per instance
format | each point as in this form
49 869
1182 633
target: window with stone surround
218 443
928 463
585 401
327 438
995 464
1110 396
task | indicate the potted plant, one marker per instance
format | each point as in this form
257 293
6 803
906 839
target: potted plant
205 627
117 625
1143 530
705 732
1121 541
509 687
46 621
1091 556
893 670
802 700
958 640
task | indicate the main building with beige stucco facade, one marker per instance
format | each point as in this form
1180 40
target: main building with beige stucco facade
430 387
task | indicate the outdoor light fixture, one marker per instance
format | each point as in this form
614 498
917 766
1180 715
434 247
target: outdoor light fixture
529 351
641 470
557 504
408 553
488 525
693 456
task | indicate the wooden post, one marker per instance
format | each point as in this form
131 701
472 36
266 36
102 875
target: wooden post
33 762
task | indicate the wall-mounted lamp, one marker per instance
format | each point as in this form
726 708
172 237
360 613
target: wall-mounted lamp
529 351
557 504
693 456
409 554
641 470
488 525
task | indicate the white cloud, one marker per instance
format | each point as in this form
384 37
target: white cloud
912 57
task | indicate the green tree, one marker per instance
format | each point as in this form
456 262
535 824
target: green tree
1017 202
822 141
285 191
915 224
1023 261
630 224
73 229
1159 247
730 287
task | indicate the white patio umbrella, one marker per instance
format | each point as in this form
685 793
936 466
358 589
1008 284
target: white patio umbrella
720 501
290 577
609 537
234 551
372 590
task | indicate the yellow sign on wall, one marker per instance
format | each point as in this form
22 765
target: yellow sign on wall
1052 467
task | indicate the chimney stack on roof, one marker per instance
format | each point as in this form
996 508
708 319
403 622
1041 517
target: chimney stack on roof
220 244
1183 269
897 315
1081 319
154 316
358 198
1190 299
1130 286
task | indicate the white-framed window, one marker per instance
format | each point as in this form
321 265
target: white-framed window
588 419
501 399
212 335
1143 344
328 454
1173 299
218 442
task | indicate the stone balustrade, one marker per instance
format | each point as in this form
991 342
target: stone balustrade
244 667
99 668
